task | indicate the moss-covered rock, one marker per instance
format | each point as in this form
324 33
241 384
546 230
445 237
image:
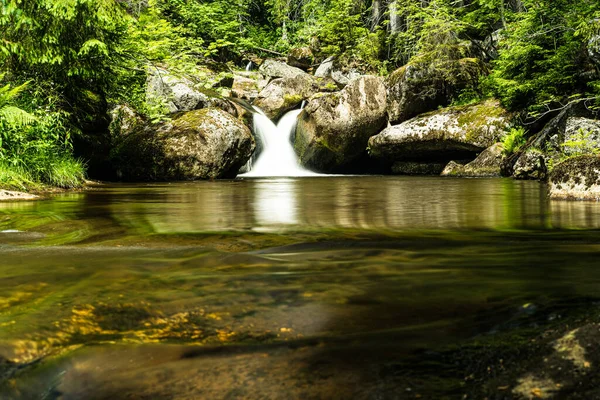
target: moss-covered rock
201 144
487 164
247 85
577 178
448 134
301 57
416 89
285 94
334 128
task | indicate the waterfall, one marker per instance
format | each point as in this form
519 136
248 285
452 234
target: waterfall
277 157
249 66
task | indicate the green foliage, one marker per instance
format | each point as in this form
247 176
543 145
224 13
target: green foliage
543 55
12 116
514 140
581 143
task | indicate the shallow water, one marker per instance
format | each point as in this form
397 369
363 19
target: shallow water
342 287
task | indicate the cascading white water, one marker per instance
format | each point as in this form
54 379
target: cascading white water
249 66
278 157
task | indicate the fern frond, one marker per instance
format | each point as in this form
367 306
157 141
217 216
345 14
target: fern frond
15 117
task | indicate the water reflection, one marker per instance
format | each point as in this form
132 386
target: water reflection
275 203
372 203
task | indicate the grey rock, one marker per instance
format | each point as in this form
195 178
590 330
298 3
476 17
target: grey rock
582 135
277 69
345 78
577 178
123 120
334 128
200 144
325 69
416 168
531 165
451 133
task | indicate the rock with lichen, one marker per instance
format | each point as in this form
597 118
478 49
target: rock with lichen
577 178
334 128
200 144
531 165
454 133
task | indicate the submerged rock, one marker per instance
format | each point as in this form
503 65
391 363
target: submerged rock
487 164
451 133
416 89
577 178
334 128
277 69
201 144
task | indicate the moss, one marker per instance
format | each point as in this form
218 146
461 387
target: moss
396 77
291 100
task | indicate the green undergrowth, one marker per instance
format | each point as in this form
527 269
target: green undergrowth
61 171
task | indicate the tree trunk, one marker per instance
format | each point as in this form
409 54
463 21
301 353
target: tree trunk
375 14
394 17
502 14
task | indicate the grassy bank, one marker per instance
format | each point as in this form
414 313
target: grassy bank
61 171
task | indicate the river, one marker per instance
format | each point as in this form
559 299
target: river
337 287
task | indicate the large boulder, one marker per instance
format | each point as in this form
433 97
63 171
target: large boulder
416 89
577 178
284 94
201 144
277 69
180 93
334 128
487 164
454 133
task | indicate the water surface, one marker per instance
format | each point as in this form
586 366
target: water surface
343 287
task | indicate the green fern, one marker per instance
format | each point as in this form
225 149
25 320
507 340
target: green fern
10 115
